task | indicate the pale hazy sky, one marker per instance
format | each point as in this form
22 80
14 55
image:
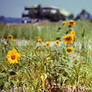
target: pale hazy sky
14 8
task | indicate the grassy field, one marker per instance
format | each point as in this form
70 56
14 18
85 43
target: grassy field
43 30
65 67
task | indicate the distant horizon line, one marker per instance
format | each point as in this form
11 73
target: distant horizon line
28 6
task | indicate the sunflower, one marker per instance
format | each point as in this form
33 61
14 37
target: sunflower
71 23
72 32
57 42
13 56
68 39
47 44
69 49
10 37
63 23
39 40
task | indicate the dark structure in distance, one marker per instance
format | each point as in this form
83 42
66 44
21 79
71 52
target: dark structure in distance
39 13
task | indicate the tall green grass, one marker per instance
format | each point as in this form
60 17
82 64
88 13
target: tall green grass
44 30
43 68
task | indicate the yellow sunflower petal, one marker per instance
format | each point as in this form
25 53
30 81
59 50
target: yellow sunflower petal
72 32
57 42
68 39
71 23
47 44
13 56
63 23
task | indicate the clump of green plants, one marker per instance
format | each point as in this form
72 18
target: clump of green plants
40 67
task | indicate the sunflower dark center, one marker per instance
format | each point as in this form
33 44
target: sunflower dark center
39 41
69 50
68 38
71 23
9 37
57 42
47 44
13 57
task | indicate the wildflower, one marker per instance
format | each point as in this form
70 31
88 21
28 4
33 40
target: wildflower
71 23
72 32
69 49
10 37
47 44
63 23
13 56
57 42
39 40
68 39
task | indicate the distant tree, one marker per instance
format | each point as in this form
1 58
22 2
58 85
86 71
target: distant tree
47 15
83 12
78 17
63 17
56 16
2 19
71 16
32 13
39 11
